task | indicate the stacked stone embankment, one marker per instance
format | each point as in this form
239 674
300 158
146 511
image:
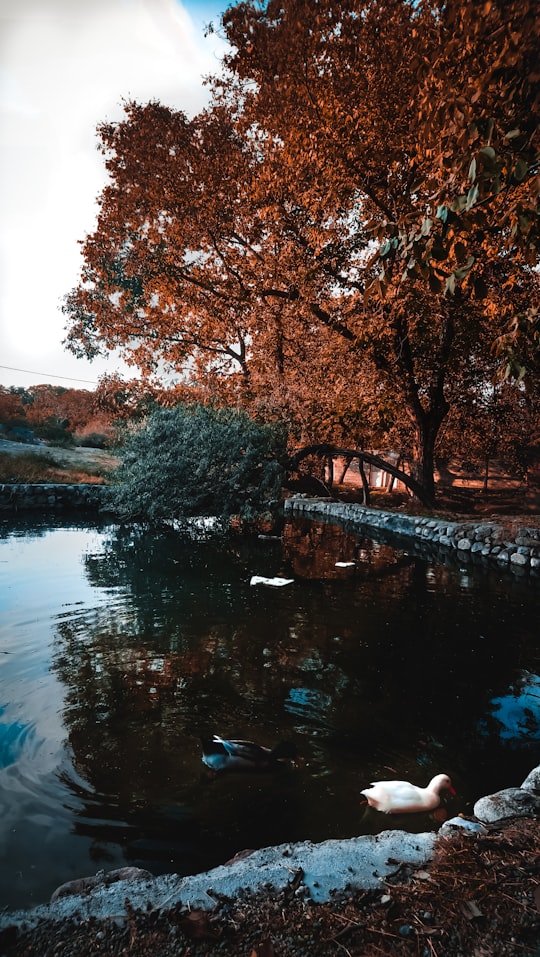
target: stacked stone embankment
465 541
470 540
42 497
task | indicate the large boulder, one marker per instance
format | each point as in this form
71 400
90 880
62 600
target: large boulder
511 802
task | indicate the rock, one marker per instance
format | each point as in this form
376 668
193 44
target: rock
519 559
484 540
532 781
84 885
462 825
511 802
327 868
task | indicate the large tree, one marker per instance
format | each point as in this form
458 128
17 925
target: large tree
308 237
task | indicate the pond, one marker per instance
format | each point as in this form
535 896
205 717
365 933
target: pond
121 648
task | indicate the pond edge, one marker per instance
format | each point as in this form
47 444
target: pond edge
466 541
321 870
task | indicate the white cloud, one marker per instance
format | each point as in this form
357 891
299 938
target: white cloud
65 66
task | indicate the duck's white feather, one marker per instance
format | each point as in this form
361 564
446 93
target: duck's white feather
401 797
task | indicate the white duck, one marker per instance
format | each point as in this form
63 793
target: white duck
400 797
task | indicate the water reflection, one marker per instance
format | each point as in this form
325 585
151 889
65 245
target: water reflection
388 664
515 716
14 737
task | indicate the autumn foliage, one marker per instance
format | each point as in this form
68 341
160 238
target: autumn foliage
54 412
345 238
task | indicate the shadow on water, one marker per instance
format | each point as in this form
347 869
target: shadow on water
122 648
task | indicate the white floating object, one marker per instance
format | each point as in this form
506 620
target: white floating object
278 582
345 564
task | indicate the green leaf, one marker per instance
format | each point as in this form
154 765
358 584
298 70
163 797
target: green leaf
472 170
488 153
472 196
512 134
427 223
520 170
450 284
460 203
442 213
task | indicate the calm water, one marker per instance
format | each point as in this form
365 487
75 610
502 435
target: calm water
119 649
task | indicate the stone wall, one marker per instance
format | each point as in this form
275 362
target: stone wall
466 541
15 498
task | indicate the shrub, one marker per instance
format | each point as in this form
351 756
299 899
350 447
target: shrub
195 460
93 440
55 432
15 432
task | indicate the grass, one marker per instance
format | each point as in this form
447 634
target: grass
39 468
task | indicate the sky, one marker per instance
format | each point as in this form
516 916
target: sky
65 67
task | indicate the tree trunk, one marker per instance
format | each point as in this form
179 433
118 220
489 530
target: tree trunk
426 408
486 475
426 430
328 472
365 484
344 470
292 463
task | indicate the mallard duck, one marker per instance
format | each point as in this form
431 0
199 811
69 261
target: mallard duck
400 797
225 755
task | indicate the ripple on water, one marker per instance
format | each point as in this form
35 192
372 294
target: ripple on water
14 738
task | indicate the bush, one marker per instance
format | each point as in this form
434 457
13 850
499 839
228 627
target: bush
15 432
55 432
195 460
93 440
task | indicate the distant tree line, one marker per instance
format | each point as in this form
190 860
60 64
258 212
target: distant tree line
56 414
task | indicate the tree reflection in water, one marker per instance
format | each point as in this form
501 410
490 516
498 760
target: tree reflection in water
384 665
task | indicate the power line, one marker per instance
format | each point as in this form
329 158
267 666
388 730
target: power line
49 375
